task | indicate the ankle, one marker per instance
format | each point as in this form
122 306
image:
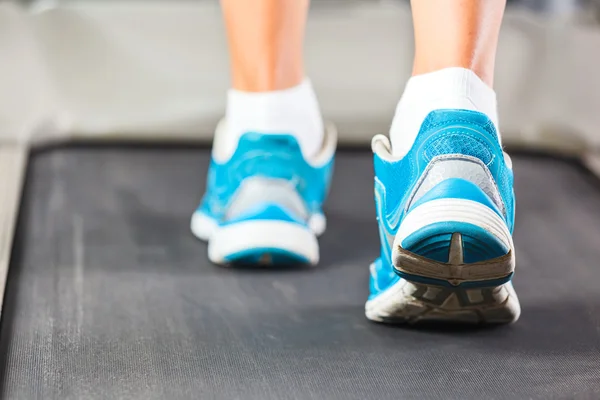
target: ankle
449 88
293 111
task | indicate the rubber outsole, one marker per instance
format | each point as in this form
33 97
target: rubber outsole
450 292
455 271
413 303
266 257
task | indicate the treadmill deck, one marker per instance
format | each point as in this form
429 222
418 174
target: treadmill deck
110 296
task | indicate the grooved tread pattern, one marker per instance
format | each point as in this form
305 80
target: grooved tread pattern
110 296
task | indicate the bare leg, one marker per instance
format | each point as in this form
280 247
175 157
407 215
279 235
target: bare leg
265 41
270 92
457 33
455 51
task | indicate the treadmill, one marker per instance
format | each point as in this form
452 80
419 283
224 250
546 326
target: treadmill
108 295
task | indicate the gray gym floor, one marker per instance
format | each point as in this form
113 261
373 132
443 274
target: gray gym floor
110 296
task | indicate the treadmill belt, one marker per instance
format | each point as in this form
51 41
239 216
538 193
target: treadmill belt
110 296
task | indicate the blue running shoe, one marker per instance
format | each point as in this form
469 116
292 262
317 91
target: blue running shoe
263 202
446 215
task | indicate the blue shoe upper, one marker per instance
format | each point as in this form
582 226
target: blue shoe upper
444 133
271 156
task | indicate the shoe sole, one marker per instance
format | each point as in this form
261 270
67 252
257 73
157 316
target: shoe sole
408 302
257 242
455 272
432 291
452 291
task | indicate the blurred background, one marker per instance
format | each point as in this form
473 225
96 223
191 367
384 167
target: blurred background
135 69
109 295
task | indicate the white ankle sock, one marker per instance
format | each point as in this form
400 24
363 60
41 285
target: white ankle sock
293 111
457 88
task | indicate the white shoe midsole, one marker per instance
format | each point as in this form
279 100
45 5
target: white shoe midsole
456 210
203 226
259 234
227 240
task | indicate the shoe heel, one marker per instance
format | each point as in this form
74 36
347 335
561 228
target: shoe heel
454 243
455 272
264 242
